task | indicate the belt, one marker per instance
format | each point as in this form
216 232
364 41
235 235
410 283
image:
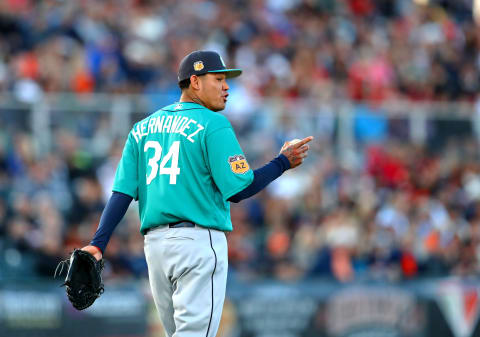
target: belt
178 224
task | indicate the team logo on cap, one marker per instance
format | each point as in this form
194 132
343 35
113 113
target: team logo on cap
198 66
238 164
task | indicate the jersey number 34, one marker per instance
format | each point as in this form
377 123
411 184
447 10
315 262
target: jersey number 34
172 154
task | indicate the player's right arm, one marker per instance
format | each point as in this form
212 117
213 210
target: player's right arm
291 155
230 170
296 151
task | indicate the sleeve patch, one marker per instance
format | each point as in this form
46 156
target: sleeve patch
238 164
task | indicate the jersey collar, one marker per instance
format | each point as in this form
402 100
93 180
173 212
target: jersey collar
188 103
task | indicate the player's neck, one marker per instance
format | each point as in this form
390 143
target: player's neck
187 97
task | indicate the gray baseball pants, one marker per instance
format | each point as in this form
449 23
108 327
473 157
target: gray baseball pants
187 269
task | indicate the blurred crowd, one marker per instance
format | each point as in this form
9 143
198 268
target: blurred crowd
355 49
406 212
398 211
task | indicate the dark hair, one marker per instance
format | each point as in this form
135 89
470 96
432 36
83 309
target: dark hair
184 84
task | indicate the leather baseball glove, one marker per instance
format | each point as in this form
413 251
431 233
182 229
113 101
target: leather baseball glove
83 283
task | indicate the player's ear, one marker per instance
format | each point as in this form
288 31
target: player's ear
195 82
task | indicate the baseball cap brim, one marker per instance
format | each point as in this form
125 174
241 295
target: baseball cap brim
230 73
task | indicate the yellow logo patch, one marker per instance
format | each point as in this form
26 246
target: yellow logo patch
238 164
198 66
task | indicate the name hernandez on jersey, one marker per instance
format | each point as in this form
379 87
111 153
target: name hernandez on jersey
167 124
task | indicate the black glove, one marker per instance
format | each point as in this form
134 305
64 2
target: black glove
84 280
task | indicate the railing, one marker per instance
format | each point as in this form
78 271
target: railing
343 123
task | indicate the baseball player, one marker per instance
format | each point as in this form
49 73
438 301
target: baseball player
184 165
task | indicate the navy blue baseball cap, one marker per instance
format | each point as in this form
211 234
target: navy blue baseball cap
203 61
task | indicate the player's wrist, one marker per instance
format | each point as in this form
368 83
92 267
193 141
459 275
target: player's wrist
94 250
283 161
98 249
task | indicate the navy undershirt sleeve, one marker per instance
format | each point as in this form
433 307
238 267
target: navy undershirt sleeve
262 177
114 211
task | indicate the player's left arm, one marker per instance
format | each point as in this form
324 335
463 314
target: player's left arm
125 189
113 213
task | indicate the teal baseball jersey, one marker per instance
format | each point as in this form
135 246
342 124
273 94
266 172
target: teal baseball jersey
182 163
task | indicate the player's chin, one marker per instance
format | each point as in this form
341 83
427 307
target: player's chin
220 106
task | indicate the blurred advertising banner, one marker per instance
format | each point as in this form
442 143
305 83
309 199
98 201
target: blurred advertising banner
39 310
441 308
460 305
432 308
374 312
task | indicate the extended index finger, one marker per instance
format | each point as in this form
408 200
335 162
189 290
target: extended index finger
303 141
